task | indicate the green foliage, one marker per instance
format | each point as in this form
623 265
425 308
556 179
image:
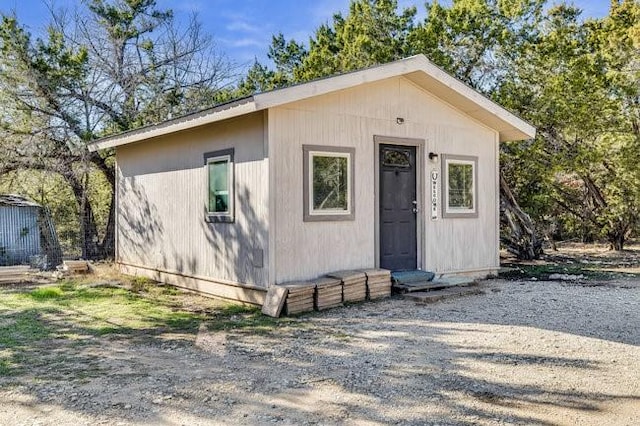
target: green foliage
373 32
568 82
139 284
475 40
575 80
44 293
51 191
330 183
120 65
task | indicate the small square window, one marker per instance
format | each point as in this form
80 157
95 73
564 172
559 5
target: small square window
328 183
460 186
220 185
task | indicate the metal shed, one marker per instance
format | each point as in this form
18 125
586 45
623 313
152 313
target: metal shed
26 234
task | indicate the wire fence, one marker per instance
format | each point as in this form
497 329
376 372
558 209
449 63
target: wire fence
34 235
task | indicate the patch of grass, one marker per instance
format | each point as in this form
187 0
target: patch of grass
237 309
46 326
517 271
46 293
76 309
169 290
139 284
22 328
6 368
246 318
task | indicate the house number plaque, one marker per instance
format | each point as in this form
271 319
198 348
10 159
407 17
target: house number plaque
434 194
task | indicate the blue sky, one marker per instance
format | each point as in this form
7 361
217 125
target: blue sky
243 28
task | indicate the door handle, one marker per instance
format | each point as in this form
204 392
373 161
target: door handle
415 206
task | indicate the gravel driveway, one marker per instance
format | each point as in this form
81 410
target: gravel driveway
535 353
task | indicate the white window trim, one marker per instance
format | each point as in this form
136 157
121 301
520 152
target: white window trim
309 213
213 157
316 212
459 212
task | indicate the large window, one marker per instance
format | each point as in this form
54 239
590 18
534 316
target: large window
328 183
220 185
460 186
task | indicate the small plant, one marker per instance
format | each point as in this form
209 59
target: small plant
45 293
140 284
168 290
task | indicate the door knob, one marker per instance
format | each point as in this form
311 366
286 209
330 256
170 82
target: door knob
415 206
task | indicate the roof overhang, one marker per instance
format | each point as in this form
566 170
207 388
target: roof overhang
417 68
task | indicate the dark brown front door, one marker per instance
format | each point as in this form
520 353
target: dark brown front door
398 206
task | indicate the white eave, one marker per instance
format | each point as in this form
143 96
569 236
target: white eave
418 69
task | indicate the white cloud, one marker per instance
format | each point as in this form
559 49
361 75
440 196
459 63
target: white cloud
244 26
242 42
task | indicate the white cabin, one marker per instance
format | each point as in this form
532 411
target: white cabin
394 167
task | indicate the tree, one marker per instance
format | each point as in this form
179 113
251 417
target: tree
576 83
372 33
115 66
287 57
477 40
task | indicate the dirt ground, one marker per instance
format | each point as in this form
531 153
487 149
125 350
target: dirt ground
529 352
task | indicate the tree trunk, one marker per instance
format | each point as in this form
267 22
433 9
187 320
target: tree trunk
88 229
617 234
107 246
617 242
521 240
109 242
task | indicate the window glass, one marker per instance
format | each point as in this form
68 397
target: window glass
395 157
219 200
219 186
330 182
460 177
459 186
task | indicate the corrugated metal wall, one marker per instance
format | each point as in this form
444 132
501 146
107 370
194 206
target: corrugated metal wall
19 234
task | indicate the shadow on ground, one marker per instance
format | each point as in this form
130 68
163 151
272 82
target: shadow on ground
387 362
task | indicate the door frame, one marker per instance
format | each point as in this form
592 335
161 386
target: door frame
419 144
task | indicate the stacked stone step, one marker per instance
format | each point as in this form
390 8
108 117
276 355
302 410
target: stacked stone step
328 293
354 285
300 297
378 283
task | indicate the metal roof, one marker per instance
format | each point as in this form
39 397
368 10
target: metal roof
13 200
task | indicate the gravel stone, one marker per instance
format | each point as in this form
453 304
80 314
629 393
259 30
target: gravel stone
529 352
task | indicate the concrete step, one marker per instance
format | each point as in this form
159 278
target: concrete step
437 284
408 277
438 295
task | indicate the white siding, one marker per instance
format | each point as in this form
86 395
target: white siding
351 118
162 187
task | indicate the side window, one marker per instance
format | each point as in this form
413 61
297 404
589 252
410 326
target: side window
220 185
328 183
459 186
